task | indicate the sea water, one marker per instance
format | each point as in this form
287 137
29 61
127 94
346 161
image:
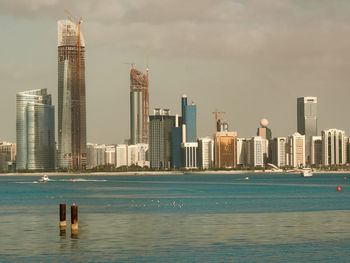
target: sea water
177 218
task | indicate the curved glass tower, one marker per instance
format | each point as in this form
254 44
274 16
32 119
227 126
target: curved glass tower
35 130
71 97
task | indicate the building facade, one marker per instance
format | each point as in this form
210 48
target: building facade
71 97
7 155
296 150
316 150
255 151
225 149
242 151
205 153
35 130
160 142
307 122
189 155
278 148
333 147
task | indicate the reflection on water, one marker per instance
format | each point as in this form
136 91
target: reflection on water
284 220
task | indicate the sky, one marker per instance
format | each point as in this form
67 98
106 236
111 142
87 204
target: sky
248 58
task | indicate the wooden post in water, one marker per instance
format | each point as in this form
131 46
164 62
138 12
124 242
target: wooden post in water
63 222
74 218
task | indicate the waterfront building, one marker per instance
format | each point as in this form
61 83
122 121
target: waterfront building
189 119
189 155
7 155
307 121
35 130
205 154
121 155
278 148
241 151
316 150
255 151
225 149
95 155
161 124
296 145
110 155
333 147
176 140
71 97
139 107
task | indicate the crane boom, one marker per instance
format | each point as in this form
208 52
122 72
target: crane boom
216 113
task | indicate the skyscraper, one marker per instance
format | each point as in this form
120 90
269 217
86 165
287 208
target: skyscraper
71 97
139 107
333 147
160 150
255 151
225 149
307 121
35 130
296 150
278 148
205 153
189 119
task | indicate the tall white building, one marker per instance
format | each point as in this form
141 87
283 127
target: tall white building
278 148
121 155
241 151
333 147
296 143
255 151
205 153
189 155
316 150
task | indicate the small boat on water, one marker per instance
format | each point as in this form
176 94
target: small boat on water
44 179
306 172
246 178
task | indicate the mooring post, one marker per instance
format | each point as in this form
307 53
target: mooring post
63 222
74 218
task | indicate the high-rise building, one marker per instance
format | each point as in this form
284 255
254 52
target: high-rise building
296 150
333 147
241 151
71 97
161 124
316 150
189 119
7 155
189 155
139 107
205 154
255 151
278 148
176 139
35 130
307 121
225 149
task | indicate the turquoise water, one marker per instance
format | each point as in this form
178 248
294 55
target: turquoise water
177 218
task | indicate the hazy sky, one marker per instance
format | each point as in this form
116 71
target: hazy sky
251 59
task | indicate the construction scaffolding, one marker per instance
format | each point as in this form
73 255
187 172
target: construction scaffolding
71 95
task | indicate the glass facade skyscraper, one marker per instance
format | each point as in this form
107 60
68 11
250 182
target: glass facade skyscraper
307 121
160 144
71 97
35 130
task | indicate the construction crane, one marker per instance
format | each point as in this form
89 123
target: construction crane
216 113
78 21
130 63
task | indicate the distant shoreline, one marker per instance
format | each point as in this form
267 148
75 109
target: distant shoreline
236 172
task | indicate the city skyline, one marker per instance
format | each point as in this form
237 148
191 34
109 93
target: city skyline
244 83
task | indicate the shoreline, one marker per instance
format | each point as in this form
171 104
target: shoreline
145 173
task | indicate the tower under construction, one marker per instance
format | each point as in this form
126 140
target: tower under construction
71 96
139 106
